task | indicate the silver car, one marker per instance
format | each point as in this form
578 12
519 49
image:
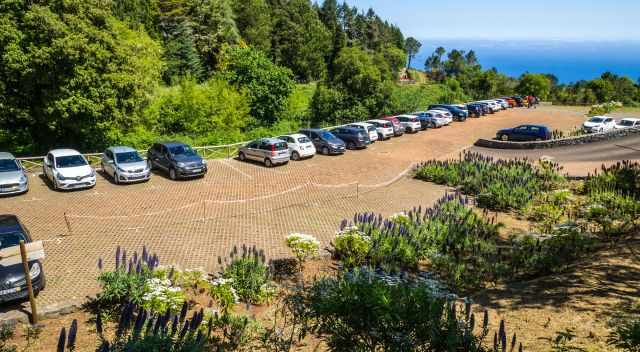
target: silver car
270 151
13 178
124 165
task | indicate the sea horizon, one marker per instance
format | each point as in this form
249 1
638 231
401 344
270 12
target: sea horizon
570 60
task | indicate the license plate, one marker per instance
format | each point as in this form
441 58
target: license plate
11 290
196 170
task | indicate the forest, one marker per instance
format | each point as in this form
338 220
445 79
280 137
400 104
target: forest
92 73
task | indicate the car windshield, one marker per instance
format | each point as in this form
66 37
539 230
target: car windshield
596 120
622 123
70 161
182 150
8 165
327 135
11 239
128 157
371 129
304 140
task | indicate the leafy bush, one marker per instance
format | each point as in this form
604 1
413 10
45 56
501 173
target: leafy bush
223 292
623 177
304 247
604 108
351 246
359 312
550 209
250 279
626 335
497 184
161 296
614 214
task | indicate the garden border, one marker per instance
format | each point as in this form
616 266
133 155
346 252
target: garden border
578 140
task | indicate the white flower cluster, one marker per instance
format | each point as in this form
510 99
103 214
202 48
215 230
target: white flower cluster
221 281
399 216
352 231
300 238
161 292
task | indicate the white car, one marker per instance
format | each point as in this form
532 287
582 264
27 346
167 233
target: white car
410 123
68 169
503 103
495 107
383 127
300 146
444 114
367 128
599 124
628 122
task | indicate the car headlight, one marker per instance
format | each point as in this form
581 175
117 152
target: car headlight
35 270
60 177
93 173
181 164
121 169
23 179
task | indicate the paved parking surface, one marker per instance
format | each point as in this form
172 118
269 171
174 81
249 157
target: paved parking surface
191 223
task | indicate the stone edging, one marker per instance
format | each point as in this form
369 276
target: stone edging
54 310
585 139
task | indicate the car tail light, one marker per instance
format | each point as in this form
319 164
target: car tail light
273 150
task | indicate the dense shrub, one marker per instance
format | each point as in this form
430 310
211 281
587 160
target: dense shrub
497 184
250 278
623 177
359 312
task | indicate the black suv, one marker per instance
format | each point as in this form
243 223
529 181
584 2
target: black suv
13 284
177 159
475 110
324 141
456 112
353 137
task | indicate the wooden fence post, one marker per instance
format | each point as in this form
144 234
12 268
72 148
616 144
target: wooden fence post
66 220
27 275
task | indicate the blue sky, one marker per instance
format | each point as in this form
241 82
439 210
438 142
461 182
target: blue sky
501 19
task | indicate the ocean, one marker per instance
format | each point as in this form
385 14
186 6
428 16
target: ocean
570 61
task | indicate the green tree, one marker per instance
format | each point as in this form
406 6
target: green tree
253 19
535 84
299 39
181 55
268 85
412 45
71 72
329 15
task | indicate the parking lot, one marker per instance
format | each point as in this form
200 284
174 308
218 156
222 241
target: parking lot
191 223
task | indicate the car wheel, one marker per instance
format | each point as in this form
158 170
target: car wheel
241 156
504 137
150 164
55 185
350 145
325 150
268 163
116 179
172 174
295 156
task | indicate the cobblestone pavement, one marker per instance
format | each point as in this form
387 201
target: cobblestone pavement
191 223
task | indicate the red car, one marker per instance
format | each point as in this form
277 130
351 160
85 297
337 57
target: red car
398 130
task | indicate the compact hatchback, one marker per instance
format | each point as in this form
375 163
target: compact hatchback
177 159
410 123
353 137
269 151
398 130
13 178
628 122
525 133
300 146
13 283
366 128
68 169
384 128
125 165
325 141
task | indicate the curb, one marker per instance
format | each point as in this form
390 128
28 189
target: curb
55 310
586 139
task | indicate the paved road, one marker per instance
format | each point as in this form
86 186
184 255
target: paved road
578 160
191 223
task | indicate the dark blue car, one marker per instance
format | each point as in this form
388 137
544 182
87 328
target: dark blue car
475 110
352 137
177 159
457 113
525 133
13 283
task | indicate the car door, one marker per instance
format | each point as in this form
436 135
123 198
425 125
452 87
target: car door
164 159
609 124
48 166
520 133
534 133
252 151
154 155
108 163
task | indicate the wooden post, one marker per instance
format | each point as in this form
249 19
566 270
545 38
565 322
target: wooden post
66 220
27 275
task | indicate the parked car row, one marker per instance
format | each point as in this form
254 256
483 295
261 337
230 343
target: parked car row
67 169
598 124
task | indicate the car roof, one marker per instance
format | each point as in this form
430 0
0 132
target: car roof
539 126
6 155
270 140
9 223
63 152
171 144
379 121
404 115
364 124
629 119
121 149
293 135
